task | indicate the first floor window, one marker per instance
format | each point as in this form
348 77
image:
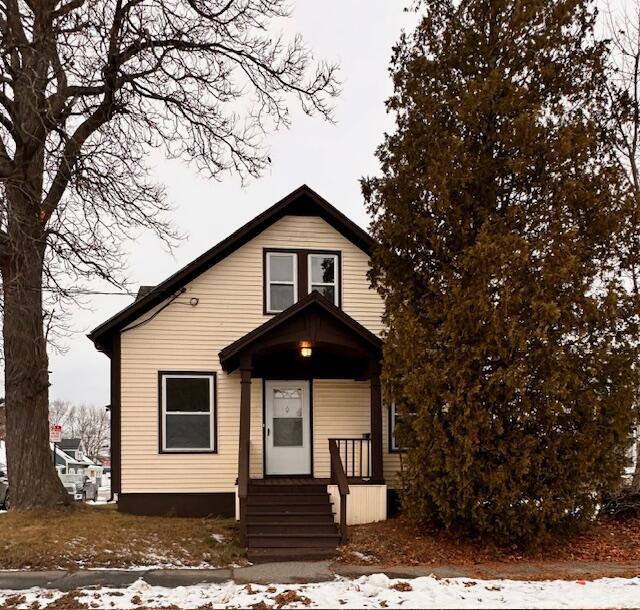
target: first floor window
188 411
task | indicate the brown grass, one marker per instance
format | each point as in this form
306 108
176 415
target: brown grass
102 537
398 542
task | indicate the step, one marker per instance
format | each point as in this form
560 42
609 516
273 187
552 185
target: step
287 499
284 527
292 540
309 516
304 489
289 554
288 509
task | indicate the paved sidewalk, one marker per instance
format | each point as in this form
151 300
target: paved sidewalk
310 571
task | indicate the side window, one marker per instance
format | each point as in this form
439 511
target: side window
188 415
393 420
323 276
281 281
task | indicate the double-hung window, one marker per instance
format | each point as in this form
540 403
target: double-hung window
187 402
323 276
282 280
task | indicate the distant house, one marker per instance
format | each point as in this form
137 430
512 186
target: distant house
73 447
70 459
250 380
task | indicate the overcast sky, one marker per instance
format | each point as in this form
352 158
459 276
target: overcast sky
329 158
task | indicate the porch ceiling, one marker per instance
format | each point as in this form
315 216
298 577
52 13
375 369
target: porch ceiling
341 347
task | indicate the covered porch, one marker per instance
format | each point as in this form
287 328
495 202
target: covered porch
295 355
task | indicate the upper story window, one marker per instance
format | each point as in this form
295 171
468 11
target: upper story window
187 402
290 275
282 280
323 275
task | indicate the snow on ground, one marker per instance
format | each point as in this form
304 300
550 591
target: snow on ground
375 591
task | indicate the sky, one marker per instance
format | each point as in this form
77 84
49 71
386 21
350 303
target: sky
359 35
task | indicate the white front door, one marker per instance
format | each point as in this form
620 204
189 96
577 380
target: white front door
287 428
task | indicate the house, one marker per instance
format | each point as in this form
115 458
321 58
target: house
69 458
73 447
248 384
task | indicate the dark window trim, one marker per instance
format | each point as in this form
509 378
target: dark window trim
161 448
302 264
392 449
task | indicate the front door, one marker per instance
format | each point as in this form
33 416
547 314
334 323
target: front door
287 428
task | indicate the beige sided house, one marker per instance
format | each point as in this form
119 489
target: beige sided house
248 384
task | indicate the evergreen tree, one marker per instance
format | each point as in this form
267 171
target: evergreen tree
510 341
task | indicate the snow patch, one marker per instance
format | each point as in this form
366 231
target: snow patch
374 591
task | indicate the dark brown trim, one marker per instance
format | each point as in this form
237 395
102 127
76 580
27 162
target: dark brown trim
301 202
161 448
373 342
377 468
221 504
264 431
115 390
302 279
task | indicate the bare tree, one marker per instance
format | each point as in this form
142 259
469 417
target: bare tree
87 422
623 27
60 412
87 87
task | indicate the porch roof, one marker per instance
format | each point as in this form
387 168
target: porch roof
341 345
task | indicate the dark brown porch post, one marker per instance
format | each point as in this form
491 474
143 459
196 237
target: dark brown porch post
376 429
243 448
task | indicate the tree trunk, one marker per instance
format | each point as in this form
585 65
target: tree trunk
33 481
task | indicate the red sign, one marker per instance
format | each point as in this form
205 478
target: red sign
55 433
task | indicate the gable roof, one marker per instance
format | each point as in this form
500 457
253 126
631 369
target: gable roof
310 303
304 201
69 444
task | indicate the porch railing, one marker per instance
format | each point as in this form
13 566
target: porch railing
339 478
355 455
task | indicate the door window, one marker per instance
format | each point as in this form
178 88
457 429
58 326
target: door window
287 417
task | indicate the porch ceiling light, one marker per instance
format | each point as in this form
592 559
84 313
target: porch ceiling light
305 349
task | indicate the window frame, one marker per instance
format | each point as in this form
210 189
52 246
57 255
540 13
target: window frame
393 446
336 273
267 286
301 274
162 413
